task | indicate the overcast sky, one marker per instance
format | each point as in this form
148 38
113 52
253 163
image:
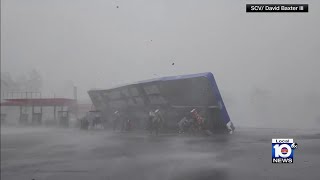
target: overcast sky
103 43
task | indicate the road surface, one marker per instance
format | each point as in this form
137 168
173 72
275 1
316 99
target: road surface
52 154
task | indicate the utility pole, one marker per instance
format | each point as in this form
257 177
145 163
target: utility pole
75 97
75 93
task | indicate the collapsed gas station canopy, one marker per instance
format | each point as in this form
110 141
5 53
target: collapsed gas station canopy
174 94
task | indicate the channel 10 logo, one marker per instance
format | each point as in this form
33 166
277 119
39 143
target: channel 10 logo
283 150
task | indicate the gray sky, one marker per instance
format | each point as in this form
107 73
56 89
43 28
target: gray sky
94 44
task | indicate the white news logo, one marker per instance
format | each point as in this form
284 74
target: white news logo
283 150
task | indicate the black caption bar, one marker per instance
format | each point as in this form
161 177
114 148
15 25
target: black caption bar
274 8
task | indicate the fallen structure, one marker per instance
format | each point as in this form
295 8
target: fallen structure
176 96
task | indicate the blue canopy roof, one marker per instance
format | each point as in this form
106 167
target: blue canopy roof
207 75
168 78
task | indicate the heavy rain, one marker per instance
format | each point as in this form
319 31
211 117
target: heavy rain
159 90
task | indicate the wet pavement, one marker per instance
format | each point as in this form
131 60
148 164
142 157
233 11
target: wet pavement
51 154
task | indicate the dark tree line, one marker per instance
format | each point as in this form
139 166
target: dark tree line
31 81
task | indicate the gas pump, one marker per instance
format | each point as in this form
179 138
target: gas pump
36 116
24 116
3 118
95 116
63 118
